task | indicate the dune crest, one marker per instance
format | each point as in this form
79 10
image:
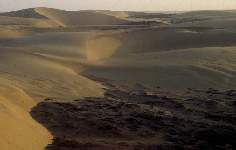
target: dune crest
52 15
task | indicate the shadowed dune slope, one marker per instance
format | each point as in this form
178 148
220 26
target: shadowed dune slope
162 39
25 13
164 60
151 56
208 13
10 33
26 18
26 22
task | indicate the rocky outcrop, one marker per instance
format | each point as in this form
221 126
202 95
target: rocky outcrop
143 119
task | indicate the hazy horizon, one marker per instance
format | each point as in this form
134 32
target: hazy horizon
131 5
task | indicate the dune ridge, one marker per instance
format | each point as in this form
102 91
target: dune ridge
66 18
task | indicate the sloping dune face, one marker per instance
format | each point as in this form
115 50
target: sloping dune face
65 18
43 77
100 48
25 13
27 22
171 58
216 19
189 68
118 14
9 33
18 129
33 68
28 78
26 18
208 14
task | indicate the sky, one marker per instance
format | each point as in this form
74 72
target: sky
133 5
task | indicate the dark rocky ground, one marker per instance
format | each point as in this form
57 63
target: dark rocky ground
137 118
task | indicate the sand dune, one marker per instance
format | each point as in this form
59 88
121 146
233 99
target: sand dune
208 13
130 56
25 13
118 14
48 53
46 75
220 23
27 22
17 127
96 51
10 33
65 18
25 80
146 61
162 39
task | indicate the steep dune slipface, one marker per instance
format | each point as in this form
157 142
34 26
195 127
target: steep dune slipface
18 130
101 48
66 18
